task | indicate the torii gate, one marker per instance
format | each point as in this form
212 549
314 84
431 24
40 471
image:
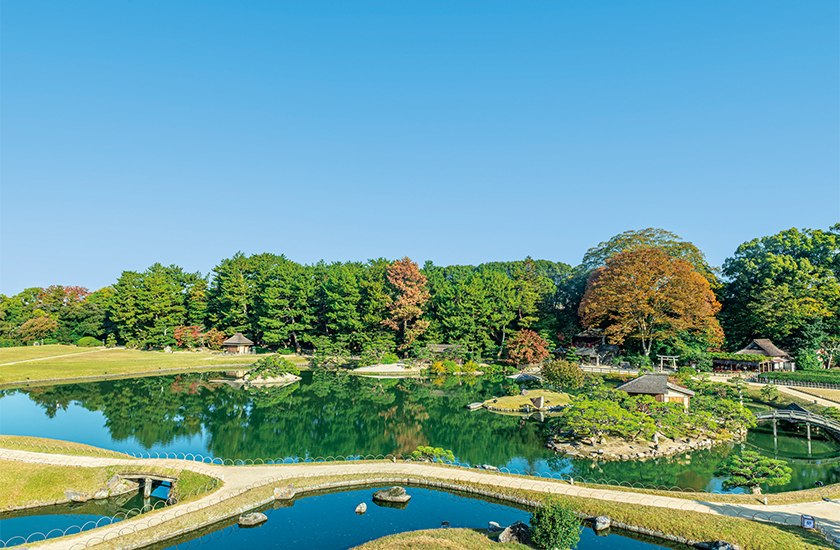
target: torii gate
671 358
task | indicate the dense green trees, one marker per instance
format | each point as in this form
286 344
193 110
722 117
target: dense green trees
784 287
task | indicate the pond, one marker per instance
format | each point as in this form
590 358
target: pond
328 522
341 415
73 517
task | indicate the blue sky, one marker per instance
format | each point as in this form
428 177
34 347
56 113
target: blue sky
457 132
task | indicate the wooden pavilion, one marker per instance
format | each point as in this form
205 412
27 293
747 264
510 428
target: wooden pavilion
237 344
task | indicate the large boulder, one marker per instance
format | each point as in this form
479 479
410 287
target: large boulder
392 494
101 494
113 482
723 545
284 493
518 532
252 519
494 527
600 523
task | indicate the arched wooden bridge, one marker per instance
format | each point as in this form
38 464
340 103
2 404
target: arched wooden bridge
808 418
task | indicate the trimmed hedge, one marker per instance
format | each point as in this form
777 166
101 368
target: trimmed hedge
819 377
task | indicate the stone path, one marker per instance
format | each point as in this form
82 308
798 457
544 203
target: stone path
237 478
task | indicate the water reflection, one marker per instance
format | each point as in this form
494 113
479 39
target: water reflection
328 522
337 414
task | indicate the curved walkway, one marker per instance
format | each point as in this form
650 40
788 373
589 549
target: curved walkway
238 478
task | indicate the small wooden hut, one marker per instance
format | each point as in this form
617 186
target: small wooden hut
237 344
657 386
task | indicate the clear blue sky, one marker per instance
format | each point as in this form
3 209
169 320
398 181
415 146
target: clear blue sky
457 132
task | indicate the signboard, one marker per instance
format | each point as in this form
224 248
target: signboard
808 522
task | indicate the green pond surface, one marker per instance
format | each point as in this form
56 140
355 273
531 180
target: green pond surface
341 415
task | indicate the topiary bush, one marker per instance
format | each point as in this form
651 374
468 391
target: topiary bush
88 342
555 526
389 359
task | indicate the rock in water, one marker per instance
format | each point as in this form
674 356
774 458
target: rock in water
723 545
493 527
518 532
100 494
75 496
601 522
284 493
361 508
252 519
392 494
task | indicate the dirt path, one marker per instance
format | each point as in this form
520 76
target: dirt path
238 478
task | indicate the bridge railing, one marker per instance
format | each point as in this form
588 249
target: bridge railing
800 416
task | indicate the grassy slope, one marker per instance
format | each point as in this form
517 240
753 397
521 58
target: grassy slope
55 446
23 483
111 361
431 539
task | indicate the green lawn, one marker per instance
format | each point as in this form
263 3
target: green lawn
434 539
23 483
10 355
109 361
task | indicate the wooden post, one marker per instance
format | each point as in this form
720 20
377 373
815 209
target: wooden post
147 488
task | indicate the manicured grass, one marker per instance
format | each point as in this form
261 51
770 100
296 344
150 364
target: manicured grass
432 539
831 395
115 361
753 393
24 483
516 402
26 353
749 535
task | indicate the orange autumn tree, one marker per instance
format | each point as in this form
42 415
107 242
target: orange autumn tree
407 301
526 348
648 295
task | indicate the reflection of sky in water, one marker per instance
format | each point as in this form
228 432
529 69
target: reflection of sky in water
22 416
328 522
26 526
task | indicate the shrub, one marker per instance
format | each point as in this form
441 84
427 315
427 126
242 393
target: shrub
433 454
88 342
469 367
555 526
512 389
111 341
389 359
451 367
438 368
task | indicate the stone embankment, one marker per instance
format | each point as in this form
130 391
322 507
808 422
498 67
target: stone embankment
627 451
240 479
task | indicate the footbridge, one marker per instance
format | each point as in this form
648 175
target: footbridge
800 415
149 481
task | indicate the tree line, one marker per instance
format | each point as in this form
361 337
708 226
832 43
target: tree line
649 290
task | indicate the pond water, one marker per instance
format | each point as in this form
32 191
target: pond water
336 414
73 517
328 522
